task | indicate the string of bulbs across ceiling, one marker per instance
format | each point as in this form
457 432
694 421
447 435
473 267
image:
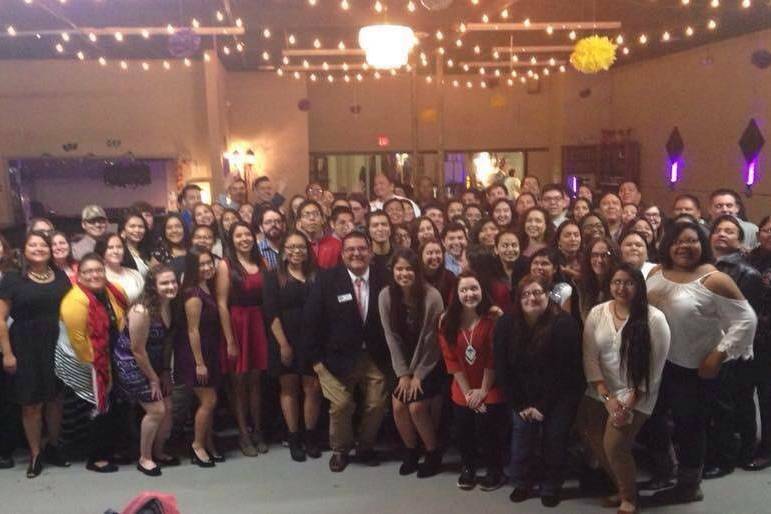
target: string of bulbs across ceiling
507 62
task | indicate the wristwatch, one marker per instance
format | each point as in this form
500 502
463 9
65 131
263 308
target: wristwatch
605 397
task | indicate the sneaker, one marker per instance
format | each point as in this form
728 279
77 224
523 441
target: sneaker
492 480
468 478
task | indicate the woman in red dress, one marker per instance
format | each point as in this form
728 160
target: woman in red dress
244 351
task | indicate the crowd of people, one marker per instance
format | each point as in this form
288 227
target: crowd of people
529 328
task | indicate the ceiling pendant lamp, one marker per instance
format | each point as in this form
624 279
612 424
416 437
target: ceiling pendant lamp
386 46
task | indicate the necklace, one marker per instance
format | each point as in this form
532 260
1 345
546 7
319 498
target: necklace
615 314
470 354
41 277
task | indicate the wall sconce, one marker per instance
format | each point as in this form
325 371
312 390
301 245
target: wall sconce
751 143
573 184
675 147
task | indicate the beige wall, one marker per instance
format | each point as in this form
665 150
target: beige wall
263 115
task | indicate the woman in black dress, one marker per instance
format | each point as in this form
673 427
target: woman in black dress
284 295
32 297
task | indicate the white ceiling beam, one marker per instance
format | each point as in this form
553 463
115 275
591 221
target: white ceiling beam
129 31
317 52
533 49
557 25
508 64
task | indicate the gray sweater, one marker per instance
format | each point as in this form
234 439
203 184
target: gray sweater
427 352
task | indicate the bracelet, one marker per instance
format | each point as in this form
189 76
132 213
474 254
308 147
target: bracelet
605 397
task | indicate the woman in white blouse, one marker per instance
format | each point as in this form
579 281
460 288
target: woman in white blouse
625 346
711 322
112 250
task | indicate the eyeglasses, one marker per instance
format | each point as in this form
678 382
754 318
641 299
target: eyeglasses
686 242
296 248
625 283
593 225
271 222
509 246
310 214
535 294
315 190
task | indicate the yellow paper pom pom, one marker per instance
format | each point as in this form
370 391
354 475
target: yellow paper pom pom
593 54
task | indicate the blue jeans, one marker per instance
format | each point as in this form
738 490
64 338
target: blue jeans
552 436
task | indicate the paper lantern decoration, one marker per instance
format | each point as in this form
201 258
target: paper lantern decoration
761 59
304 105
751 143
355 109
428 116
184 43
593 54
675 147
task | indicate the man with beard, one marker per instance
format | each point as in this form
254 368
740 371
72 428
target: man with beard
273 227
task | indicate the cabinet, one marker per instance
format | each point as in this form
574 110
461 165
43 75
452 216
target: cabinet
602 167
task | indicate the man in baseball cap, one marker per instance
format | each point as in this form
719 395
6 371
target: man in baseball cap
94 223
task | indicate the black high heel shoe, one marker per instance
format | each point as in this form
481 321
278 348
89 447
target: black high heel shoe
35 466
194 459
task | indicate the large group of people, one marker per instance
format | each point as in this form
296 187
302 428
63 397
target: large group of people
527 328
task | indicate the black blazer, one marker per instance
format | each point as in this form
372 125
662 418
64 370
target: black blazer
334 329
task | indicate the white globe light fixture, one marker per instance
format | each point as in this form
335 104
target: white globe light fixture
386 46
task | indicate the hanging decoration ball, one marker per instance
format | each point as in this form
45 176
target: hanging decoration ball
498 101
355 109
184 42
761 59
304 105
593 54
428 116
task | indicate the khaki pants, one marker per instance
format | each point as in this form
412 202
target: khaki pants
339 391
612 446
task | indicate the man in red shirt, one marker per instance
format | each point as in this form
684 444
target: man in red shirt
331 246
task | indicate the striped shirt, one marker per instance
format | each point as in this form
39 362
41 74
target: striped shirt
268 254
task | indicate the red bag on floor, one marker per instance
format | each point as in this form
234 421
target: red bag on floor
152 502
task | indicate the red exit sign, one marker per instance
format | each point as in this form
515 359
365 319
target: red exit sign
383 141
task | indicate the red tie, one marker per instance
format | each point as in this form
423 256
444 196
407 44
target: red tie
358 283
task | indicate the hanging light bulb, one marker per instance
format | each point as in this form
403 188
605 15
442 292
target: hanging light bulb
689 31
102 61
123 65
119 36
145 66
166 65
485 18
59 48
316 43
280 72
505 14
643 39
458 43
195 23
496 55
81 55
712 25
239 23
187 62
746 4
344 5
145 34
386 46
477 50
378 6
572 35
341 46
411 6
220 16
714 4
291 39
620 39
526 23
266 33
92 37
65 36
665 36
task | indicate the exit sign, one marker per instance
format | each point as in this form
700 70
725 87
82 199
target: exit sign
383 141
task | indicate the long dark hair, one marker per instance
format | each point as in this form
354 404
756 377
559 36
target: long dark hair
192 264
635 348
237 271
70 260
555 258
185 233
533 339
150 299
398 314
548 234
309 266
591 288
450 324
7 259
143 246
477 229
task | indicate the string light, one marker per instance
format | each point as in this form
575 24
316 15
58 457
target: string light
145 33
102 61
439 35
316 43
206 57
746 4
341 45
285 60
226 49
59 48
440 50
377 75
562 68
265 56
330 78
346 78
313 75
280 72
325 66
455 83
378 6
450 63
550 30
496 55
65 36
239 23
510 82
312 3
711 24
620 39
714 4
220 16
296 75
195 23
626 50
689 31
166 65
643 39
11 31
359 78
92 37
572 35
526 23
665 37
477 50
266 33
685 2
458 43
411 6
428 79
344 5
170 28
465 67
187 62
485 18
505 14
462 27
292 39
239 47
123 65
145 66
119 36
81 55
306 65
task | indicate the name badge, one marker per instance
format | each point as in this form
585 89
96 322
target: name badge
342 298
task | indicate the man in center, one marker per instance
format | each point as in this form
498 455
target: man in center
345 343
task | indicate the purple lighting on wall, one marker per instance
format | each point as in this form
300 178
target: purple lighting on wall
674 169
573 185
751 172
